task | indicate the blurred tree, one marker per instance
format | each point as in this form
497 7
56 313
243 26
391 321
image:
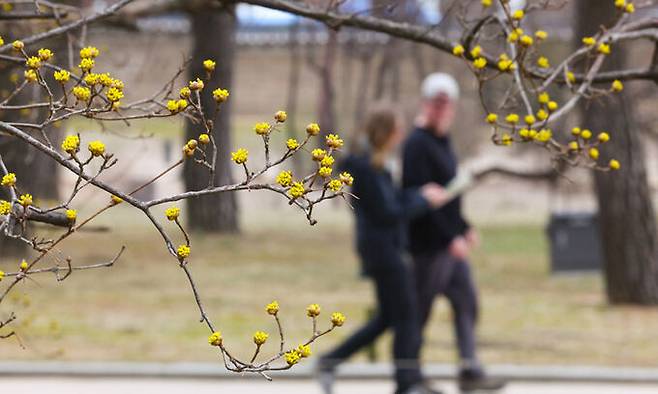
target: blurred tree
627 216
213 32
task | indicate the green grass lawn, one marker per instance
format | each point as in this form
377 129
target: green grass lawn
142 309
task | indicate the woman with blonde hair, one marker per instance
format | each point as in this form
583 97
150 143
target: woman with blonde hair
381 212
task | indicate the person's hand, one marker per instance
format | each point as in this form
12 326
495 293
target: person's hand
459 248
473 238
434 194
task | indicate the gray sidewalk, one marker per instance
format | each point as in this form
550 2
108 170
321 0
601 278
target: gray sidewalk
63 385
350 371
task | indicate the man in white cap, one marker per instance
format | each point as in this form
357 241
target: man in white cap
440 241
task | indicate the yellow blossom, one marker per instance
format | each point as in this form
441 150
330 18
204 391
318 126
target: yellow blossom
92 79
518 15
106 80
552 106
2 42
240 156
505 65
86 64
337 319
82 93
30 75
209 65
292 144
526 40
617 86
204 139
318 154
183 251
71 214
280 116
594 153
328 161
346 178
524 133
614 164
297 190
544 135
576 131
304 351
23 266
115 200
589 41
335 185
476 51
458 50
272 308
5 207
260 337
197 84
172 105
325 172
512 118
2 273
33 62
506 139
620 4
571 77
313 129
604 137
262 128
334 141
486 3
172 213
530 119
184 92
45 54
573 145
630 8
284 178
480 63
18 45
182 104
114 94
544 98
292 357
220 95
215 339
97 148
492 118
313 310
71 144
541 35
89 52
25 199
586 134
543 62
9 180
604 49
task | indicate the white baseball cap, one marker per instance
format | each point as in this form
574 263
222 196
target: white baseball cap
437 84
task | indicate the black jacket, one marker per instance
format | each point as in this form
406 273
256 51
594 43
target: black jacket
382 212
430 158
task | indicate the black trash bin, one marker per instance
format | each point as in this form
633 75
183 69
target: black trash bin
575 242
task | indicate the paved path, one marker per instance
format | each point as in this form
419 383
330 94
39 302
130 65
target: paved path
57 385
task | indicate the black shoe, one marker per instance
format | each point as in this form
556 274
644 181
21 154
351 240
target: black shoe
419 389
477 380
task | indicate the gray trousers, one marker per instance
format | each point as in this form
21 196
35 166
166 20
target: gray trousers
440 273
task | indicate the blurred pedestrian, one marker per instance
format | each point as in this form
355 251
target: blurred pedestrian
440 240
381 211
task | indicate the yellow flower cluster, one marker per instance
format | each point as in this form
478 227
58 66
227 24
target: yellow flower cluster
313 129
9 180
23 266
183 251
197 84
304 351
240 156
215 339
175 106
114 94
346 178
172 213
25 200
45 54
280 116
318 154
272 308
617 86
284 178
62 76
260 337
30 76
2 273
89 52
71 214
337 319
204 139
262 128
313 310
82 93
292 357
86 64
71 144
96 148
220 95
297 190
292 144
5 207
334 141
209 65
33 62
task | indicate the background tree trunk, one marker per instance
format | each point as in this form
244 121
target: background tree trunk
626 215
213 31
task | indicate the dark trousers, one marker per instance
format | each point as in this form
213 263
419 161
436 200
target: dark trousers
396 302
440 273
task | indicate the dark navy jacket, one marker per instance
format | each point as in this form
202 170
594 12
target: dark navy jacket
430 158
382 212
